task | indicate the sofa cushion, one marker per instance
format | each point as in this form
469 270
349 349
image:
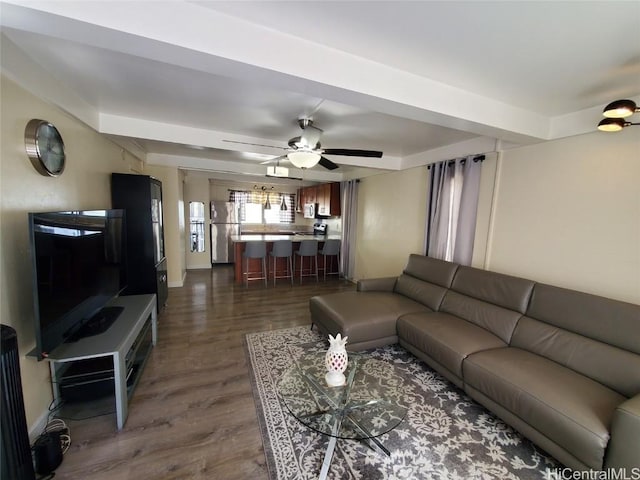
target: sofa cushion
509 292
491 300
497 320
426 293
432 270
570 409
609 321
614 367
445 338
362 316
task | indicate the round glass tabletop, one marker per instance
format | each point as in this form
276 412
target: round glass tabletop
359 410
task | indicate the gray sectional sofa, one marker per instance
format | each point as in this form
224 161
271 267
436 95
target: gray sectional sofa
560 366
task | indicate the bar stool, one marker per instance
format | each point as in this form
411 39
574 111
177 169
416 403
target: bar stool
282 249
308 248
331 248
257 249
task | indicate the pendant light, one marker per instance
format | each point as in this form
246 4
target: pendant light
616 112
620 109
267 204
283 205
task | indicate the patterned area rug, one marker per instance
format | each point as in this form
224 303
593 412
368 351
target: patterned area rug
445 435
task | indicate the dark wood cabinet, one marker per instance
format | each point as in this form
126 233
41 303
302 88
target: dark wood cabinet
329 199
141 197
309 194
325 195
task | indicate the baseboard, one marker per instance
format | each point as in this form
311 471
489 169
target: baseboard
179 283
202 266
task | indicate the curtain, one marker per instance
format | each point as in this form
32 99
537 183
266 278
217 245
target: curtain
242 197
451 210
349 194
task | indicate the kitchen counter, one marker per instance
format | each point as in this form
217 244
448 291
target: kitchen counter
240 241
269 237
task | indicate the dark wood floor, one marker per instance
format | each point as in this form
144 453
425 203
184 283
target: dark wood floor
192 415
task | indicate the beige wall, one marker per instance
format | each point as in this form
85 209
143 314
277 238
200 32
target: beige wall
391 219
567 212
85 184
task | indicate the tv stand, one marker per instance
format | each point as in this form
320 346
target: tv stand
126 345
97 324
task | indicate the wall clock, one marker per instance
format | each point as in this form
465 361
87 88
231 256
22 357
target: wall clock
44 147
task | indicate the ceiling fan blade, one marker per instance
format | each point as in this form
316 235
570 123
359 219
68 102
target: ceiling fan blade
328 164
255 144
274 160
353 153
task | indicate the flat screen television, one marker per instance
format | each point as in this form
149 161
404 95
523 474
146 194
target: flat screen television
79 265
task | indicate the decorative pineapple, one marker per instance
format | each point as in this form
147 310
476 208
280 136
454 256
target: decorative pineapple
336 361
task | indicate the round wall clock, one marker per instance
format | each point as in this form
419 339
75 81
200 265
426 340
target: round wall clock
45 147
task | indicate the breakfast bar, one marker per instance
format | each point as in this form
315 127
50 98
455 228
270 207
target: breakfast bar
240 242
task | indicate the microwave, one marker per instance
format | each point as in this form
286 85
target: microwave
309 210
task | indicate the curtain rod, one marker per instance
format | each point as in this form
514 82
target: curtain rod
477 158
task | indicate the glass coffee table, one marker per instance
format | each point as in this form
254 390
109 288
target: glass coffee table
359 410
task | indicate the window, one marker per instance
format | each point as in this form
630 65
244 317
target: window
196 226
252 206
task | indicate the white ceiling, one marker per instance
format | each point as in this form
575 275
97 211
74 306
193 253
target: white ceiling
181 83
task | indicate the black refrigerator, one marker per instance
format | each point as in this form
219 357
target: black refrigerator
141 197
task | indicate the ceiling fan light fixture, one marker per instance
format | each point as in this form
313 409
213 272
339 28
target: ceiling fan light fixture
620 109
303 159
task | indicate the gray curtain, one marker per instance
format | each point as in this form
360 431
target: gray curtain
451 210
349 193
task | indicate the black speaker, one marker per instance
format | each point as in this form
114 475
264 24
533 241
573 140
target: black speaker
47 451
15 451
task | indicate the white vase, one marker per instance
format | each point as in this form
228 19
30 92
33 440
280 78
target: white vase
336 361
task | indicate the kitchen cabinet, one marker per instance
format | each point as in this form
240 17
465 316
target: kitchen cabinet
141 198
322 198
328 197
310 194
325 195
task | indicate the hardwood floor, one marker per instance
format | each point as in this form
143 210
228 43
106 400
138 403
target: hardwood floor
192 415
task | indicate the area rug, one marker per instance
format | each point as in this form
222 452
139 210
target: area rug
445 435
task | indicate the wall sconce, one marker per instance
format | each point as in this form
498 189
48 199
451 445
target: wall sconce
615 113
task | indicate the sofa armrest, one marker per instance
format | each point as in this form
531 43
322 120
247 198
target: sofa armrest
624 448
384 284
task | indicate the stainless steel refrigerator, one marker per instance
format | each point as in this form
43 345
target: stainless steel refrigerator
225 222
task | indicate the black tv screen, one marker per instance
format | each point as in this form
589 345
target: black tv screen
78 267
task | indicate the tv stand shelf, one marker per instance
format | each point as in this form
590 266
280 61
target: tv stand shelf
122 342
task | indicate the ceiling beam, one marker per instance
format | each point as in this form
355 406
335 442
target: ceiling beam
206 40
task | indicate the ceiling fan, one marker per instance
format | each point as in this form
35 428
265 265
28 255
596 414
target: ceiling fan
305 151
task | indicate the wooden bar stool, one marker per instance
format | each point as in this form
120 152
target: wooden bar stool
308 248
282 249
257 249
331 248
